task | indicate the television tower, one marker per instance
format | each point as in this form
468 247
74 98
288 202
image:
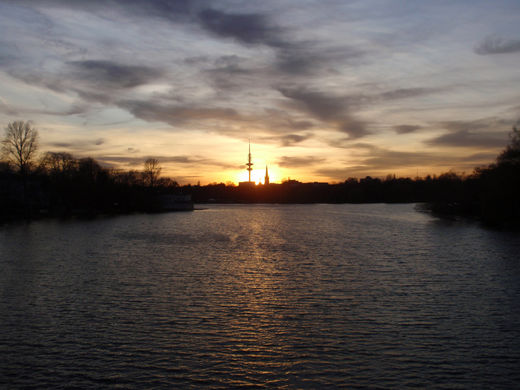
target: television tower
249 163
266 181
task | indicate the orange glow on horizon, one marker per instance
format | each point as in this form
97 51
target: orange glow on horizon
258 175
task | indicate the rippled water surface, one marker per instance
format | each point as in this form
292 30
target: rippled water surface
292 296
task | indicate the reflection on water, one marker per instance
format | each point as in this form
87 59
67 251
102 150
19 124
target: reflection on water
276 296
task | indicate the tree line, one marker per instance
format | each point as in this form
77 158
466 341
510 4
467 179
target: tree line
59 184
490 194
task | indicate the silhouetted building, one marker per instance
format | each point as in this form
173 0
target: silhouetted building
246 184
266 181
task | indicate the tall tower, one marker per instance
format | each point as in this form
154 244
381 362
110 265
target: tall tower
266 181
249 163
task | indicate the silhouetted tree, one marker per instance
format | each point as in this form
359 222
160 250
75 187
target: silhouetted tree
20 144
167 182
89 170
500 185
128 178
151 171
58 163
511 154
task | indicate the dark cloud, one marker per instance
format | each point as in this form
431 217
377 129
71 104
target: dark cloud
328 108
299 162
9 53
404 93
173 114
318 104
405 129
165 9
108 74
228 73
183 160
39 78
353 127
390 159
81 145
308 58
480 158
92 80
467 138
250 28
288 139
380 162
496 45
484 124
300 124
61 144
293 57
291 139
487 132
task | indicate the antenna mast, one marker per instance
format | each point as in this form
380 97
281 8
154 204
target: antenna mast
249 163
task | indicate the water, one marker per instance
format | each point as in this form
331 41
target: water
291 296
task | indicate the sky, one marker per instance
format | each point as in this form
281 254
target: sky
324 90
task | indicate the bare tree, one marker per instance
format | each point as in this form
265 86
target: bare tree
20 144
58 163
151 172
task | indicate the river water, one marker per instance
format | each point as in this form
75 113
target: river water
290 296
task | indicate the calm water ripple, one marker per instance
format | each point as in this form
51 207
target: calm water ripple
291 296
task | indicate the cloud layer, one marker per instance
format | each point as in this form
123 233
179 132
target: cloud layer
309 83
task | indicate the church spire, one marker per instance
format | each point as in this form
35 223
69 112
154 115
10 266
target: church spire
266 181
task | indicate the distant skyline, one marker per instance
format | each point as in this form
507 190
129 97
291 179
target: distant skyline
324 89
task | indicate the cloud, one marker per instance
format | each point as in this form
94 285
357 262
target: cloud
353 127
287 139
292 56
174 114
390 159
109 74
300 124
480 158
299 162
94 81
404 93
252 28
328 108
79 146
320 105
485 133
291 139
314 57
405 129
381 161
179 159
496 45
467 138
229 73
166 9
74 109
7 109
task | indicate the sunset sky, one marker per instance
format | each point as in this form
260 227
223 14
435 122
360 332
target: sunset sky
324 89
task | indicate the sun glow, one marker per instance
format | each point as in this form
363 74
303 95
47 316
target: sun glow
258 175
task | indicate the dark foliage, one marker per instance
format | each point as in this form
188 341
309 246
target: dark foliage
62 185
